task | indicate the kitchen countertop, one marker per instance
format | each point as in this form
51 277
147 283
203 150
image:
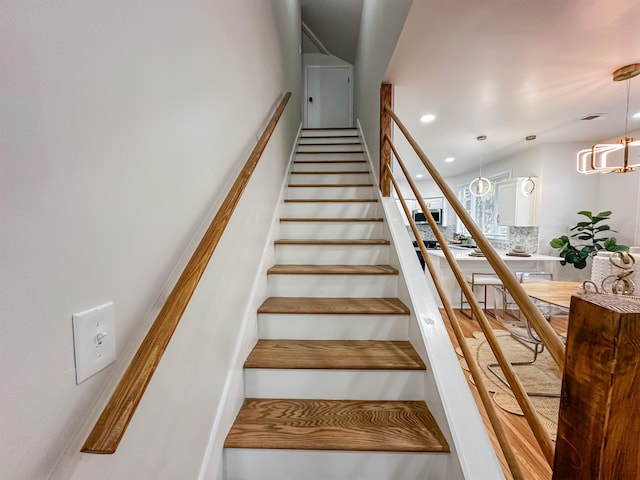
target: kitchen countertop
463 255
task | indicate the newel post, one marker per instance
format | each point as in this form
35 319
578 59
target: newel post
599 424
386 100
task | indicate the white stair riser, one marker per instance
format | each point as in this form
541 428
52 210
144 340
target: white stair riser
329 131
328 193
283 285
297 179
343 139
264 464
332 254
333 327
328 148
334 384
330 230
332 209
328 167
329 156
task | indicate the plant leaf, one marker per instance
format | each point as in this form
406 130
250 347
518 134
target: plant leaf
586 213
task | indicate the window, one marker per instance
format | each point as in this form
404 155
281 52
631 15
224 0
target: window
484 210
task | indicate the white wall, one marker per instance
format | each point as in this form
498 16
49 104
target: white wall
380 27
123 124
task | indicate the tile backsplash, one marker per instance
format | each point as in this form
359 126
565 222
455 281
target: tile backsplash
527 236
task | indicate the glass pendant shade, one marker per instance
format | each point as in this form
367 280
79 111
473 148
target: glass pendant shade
480 186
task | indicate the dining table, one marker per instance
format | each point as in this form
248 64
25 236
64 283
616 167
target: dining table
554 292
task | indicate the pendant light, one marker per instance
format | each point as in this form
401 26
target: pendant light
480 186
620 157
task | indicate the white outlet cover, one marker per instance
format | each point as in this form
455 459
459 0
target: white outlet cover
94 340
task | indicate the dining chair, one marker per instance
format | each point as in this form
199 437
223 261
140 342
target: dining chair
523 332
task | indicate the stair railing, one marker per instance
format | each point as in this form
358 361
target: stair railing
539 323
116 415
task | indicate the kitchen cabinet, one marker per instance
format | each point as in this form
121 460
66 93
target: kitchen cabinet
518 201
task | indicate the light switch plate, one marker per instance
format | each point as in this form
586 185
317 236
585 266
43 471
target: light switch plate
94 340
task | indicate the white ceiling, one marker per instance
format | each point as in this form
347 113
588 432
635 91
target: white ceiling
511 68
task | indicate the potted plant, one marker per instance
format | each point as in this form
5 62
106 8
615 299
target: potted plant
595 236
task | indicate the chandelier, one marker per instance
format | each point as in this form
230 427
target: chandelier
620 157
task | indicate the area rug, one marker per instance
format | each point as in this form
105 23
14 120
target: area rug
541 376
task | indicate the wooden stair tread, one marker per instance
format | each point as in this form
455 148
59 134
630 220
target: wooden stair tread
291 241
330 219
328 136
324 152
333 144
359 172
329 185
330 200
334 305
334 354
332 270
329 161
354 425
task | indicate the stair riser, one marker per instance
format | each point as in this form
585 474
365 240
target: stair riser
329 156
283 285
332 210
330 178
329 148
330 230
326 132
332 254
251 464
328 193
344 139
334 384
328 167
333 327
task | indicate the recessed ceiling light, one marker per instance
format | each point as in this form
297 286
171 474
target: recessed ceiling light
420 175
637 115
449 159
429 117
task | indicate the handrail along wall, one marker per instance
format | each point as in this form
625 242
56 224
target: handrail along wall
115 417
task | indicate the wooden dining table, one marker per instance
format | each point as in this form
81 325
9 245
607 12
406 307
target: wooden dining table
553 292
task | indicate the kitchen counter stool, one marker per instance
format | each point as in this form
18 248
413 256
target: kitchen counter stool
482 280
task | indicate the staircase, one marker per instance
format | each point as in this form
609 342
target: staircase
334 389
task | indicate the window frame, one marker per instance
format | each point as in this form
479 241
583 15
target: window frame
476 206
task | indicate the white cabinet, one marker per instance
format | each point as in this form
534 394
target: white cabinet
518 201
434 203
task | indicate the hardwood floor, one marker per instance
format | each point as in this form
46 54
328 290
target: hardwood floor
516 427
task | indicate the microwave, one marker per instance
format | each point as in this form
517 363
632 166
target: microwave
421 218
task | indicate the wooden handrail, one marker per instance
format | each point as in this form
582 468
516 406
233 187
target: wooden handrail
112 423
539 323
516 386
474 368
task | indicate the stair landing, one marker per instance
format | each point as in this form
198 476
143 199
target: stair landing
380 426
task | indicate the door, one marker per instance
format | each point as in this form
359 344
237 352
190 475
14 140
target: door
329 102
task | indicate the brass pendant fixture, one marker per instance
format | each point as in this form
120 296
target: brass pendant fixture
620 157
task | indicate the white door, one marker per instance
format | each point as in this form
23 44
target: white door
328 102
